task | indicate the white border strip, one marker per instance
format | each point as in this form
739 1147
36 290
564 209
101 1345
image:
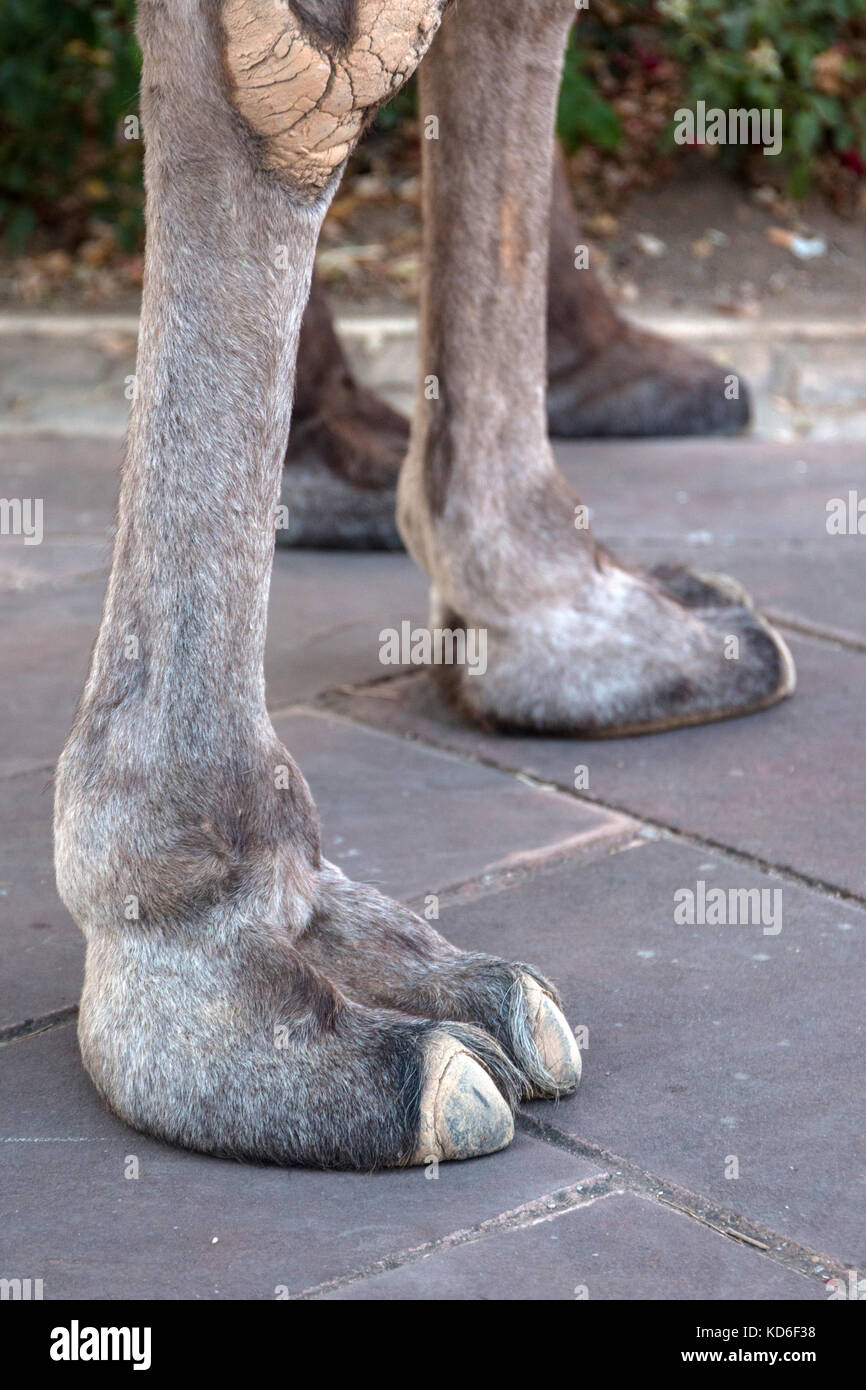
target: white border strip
685 327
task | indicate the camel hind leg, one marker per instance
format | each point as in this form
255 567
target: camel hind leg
575 642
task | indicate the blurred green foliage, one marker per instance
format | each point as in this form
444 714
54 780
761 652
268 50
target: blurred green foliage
585 116
807 57
69 77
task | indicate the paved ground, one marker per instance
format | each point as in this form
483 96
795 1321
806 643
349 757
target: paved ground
715 1148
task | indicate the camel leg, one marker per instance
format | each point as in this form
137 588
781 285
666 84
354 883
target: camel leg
187 844
607 378
575 643
345 448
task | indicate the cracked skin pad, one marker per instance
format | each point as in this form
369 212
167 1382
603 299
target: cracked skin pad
308 96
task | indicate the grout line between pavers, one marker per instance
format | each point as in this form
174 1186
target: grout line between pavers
618 1178
31 771
705 842
516 875
544 1208
792 1254
31 1027
807 629
754 861
730 1225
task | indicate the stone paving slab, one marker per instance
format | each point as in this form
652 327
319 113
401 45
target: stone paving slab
752 509
72 384
727 1045
70 1216
46 637
327 610
746 489
409 820
414 821
43 950
77 480
705 1042
326 613
55 562
616 1247
782 785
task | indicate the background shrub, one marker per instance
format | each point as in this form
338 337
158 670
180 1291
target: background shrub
69 77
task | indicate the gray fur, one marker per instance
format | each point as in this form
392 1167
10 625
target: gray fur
187 843
575 642
240 996
605 378
327 512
